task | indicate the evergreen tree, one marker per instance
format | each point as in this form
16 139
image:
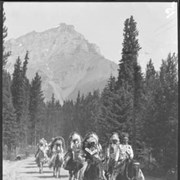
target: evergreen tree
68 118
130 51
8 112
36 109
17 96
5 29
151 86
20 93
165 145
26 91
160 112
130 76
114 115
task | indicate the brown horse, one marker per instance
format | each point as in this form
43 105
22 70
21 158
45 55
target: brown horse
94 170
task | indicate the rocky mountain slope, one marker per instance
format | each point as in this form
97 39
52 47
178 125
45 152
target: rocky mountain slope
66 61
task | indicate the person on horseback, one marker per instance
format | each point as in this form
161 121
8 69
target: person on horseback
126 148
127 153
74 158
93 152
50 146
114 157
57 146
42 146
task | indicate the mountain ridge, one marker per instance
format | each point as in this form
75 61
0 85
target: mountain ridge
66 61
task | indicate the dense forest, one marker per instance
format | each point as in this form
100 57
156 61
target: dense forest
144 105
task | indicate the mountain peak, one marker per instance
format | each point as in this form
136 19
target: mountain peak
67 62
65 26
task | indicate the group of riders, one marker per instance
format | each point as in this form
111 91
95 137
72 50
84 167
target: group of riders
85 158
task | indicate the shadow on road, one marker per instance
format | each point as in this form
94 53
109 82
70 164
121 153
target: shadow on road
44 177
32 163
37 172
64 176
30 166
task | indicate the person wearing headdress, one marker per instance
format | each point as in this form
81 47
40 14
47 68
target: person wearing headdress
126 148
74 158
42 146
115 156
93 151
113 147
51 147
58 146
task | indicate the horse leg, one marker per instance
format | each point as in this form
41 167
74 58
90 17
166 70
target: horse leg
40 167
70 175
54 171
57 173
75 176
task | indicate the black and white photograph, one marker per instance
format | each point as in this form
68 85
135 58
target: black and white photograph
89 90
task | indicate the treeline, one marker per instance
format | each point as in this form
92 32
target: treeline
144 105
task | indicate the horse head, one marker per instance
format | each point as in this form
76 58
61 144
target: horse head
133 171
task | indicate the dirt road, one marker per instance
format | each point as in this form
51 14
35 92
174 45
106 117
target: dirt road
27 170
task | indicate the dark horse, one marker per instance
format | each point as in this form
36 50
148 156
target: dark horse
132 171
93 170
72 166
57 165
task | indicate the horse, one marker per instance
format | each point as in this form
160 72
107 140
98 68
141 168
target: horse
94 168
171 174
41 159
73 159
132 171
57 158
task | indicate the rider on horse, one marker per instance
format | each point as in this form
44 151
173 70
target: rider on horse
126 148
42 146
115 156
74 150
93 151
57 146
127 152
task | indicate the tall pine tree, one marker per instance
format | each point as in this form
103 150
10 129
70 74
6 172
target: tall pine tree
130 76
36 109
8 111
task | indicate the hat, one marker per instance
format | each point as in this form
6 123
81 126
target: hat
115 136
125 135
76 136
90 137
41 141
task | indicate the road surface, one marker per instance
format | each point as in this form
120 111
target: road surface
27 170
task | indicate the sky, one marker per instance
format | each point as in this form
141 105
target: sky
102 23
